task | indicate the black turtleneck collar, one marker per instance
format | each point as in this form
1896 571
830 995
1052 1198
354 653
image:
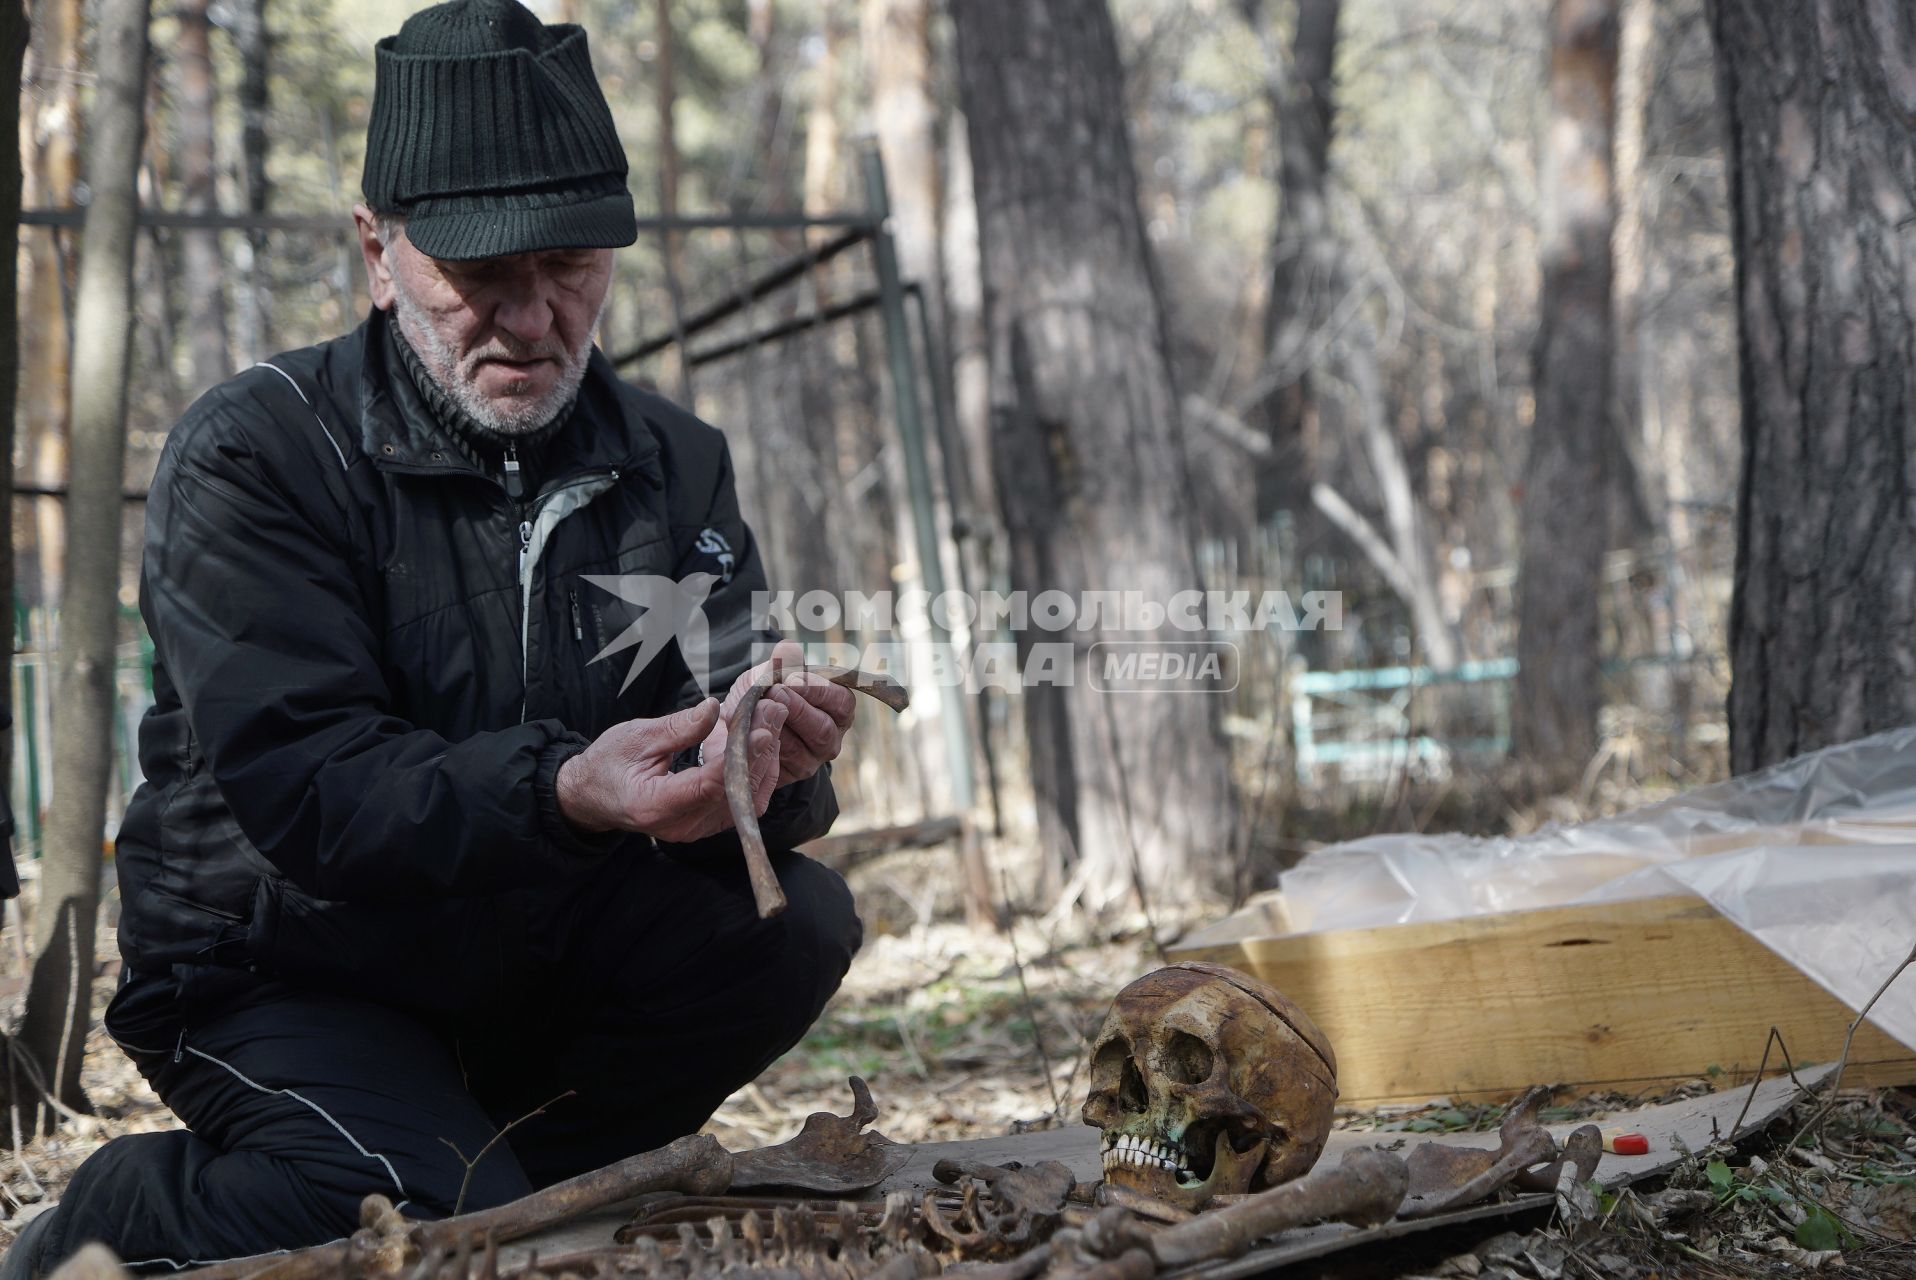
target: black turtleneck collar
483 447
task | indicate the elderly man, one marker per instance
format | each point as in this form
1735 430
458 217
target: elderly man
409 865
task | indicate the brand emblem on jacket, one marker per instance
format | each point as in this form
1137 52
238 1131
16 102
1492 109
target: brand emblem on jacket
712 543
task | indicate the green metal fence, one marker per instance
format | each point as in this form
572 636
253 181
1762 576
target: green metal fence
35 712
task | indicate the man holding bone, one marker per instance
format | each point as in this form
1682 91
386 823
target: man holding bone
409 865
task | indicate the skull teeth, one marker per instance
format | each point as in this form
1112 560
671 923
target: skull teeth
1130 1151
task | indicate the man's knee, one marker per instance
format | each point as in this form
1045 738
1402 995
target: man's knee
170 1200
797 959
822 920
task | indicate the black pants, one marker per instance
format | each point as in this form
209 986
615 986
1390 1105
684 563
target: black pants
653 991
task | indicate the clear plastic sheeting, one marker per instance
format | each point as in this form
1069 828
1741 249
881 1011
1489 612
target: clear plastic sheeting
1815 857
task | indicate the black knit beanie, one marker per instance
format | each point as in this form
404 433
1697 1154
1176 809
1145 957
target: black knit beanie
490 134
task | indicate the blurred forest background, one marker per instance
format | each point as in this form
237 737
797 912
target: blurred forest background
1432 306
1344 208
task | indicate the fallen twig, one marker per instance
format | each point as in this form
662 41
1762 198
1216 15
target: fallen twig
1031 1008
1775 1038
465 1183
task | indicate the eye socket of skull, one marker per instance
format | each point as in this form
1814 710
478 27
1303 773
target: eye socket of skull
1187 1059
1117 1084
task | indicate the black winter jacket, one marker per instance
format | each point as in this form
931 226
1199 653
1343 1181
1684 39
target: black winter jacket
361 706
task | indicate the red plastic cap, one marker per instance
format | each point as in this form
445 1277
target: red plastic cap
1627 1144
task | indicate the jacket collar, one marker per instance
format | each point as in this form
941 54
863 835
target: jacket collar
400 432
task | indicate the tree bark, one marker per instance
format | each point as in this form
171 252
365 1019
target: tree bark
769 146
1088 445
896 35
965 317
671 243
50 135
59 997
253 314
1820 100
896 40
200 250
13 46
1303 254
821 184
1637 513
1406 519
1564 513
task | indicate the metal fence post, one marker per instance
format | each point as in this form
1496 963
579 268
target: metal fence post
911 433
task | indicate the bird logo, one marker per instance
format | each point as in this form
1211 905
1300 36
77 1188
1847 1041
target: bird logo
670 609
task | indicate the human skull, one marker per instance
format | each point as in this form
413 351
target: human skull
1208 1082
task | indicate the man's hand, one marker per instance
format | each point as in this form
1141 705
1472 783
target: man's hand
818 713
624 780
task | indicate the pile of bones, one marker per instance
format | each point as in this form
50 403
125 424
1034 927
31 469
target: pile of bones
1214 1094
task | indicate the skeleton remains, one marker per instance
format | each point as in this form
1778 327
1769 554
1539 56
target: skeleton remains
1207 1082
1214 1093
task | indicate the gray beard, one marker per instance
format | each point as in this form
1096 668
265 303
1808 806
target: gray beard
523 416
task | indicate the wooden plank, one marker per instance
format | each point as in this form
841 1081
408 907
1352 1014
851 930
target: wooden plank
1622 995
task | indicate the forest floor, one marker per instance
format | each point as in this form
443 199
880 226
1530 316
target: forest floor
965 1034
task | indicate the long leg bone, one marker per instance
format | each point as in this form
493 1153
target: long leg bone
1363 1190
1443 1177
738 768
697 1165
832 1153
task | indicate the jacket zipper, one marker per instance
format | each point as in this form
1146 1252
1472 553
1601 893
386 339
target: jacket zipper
578 629
515 483
607 479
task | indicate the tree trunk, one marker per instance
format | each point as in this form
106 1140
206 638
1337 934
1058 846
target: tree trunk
200 250
253 314
50 135
1303 255
896 35
896 40
968 343
1564 513
821 185
1637 512
782 488
671 243
1406 556
1820 100
1088 445
13 45
59 997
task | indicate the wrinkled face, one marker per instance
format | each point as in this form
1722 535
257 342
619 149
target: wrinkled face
1207 1082
507 338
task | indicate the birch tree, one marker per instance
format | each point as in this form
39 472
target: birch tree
59 998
